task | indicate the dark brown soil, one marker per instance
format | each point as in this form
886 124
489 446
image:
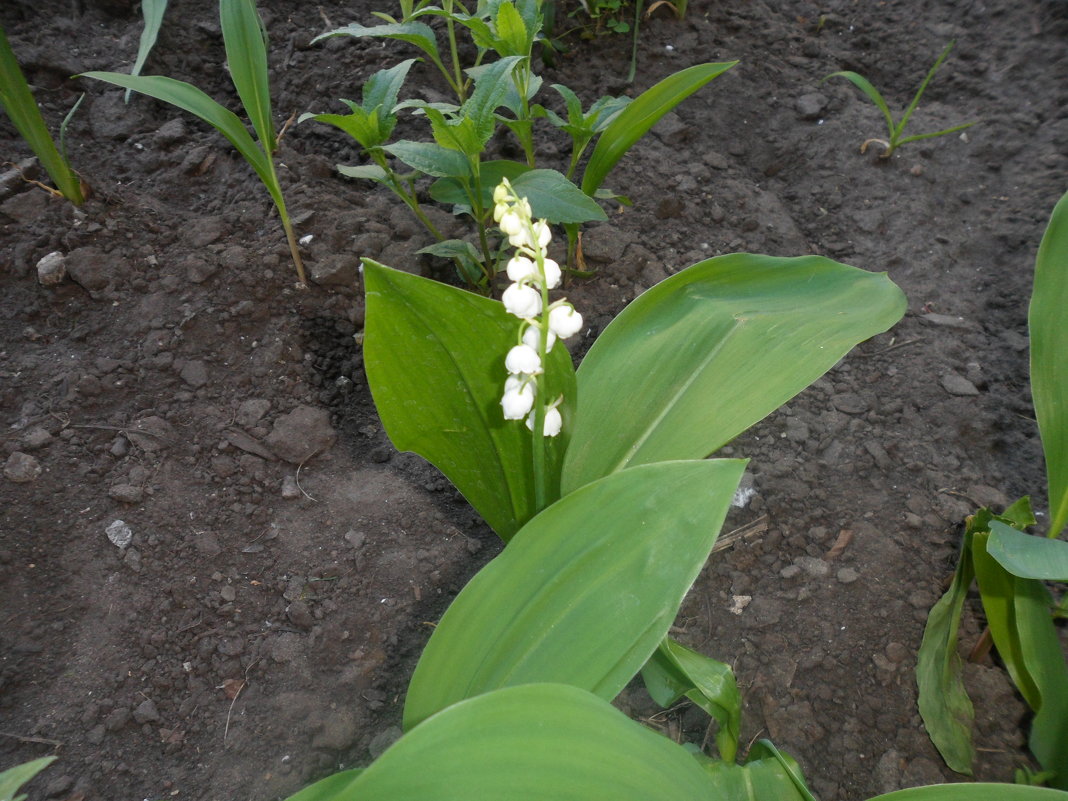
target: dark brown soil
285 570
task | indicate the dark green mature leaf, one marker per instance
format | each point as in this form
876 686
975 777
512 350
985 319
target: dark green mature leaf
641 115
14 777
430 158
764 779
555 198
328 789
434 356
944 704
675 671
451 190
538 741
979 791
1049 354
1026 556
153 11
246 55
584 593
700 357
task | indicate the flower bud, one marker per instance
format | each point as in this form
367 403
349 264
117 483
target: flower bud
518 398
552 274
543 234
499 211
552 424
532 337
523 359
511 225
523 301
500 193
564 321
520 267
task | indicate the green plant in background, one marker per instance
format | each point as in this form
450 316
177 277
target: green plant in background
489 96
896 130
13 778
246 55
1010 566
16 100
153 11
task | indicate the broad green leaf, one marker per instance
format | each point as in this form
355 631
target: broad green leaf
538 741
452 249
153 11
702 356
453 191
459 133
491 85
511 32
674 671
1049 355
434 356
415 33
328 789
360 125
1019 514
1026 556
14 777
979 791
584 593
188 98
17 101
555 198
642 114
430 158
383 88
758 780
246 56
369 172
946 710
864 85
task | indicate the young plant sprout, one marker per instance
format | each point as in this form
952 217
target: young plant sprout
895 130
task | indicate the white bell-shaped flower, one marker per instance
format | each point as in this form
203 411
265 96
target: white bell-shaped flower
520 267
523 359
543 234
564 321
532 336
522 300
512 225
552 274
518 398
500 193
552 424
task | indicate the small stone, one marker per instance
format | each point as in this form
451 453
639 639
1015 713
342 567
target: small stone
199 270
52 269
355 538
847 575
850 403
118 718
251 412
896 652
300 615
132 559
96 734
120 534
336 269
809 106
21 468
120 446
195 373
789 571
338 731
35 438
383 740
290 490
813 566
58 786
146 712
301 434
228 594
604 244
152 433
89 267
956 384
126 493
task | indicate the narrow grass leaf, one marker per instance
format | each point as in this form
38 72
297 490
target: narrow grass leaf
1049 354
707 353
153 11
918 137
246 56
1026 556
584 593
14 777
434 356
642 114
873 94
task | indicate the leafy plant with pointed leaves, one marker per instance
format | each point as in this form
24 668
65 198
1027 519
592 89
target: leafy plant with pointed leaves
1009 566
895 130
245 40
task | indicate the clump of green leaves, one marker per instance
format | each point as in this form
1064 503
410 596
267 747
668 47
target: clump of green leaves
17 101
895 130
245 40
1011 568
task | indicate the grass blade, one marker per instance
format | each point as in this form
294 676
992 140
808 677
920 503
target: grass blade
918 137
246 55
896 132
864 85
153 11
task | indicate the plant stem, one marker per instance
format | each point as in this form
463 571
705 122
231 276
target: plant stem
450 27
541 480
274 188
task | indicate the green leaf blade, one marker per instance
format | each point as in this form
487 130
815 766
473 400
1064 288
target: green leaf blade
246 55
153 11
1026 556
584 593
555 198
712 350
873 94
431 159
415 33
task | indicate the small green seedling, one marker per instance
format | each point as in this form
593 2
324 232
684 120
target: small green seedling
153 11
895 130
17 101
246 55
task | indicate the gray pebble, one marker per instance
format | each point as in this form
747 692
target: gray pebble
850 403
126 493
300 615
301 434
52 269
146 712
813 566
956 384
195 373
35 438
228 593
21 468
848 575
810 106
290 490
120 534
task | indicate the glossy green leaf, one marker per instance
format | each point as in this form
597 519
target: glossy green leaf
430 158
584 593
1026 556
434 357
14 777
946 710
328 789
415 33
642 114
17 101
555 198
153 11
1049 355
702 356
367 172
538 741
246 56
979 791
758 780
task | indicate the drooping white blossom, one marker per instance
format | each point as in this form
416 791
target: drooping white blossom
552 274
551 425
518 398
532 337
521 268
522 300
564 321
523 359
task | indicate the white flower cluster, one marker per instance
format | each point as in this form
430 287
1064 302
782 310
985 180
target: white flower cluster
532 274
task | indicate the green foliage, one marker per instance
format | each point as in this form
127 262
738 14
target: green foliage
246 53
13 778
974 792
16 100
1026 556
896 130
153 11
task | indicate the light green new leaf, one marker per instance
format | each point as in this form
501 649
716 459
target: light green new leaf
1049 355
367 172
491 85
434 356
864 85
328 789
538 741
584 593
1026 556
675 671
946 710
416 33
430 158
14 777
707 353
642 114
555 198
153 11
246 56
980 791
